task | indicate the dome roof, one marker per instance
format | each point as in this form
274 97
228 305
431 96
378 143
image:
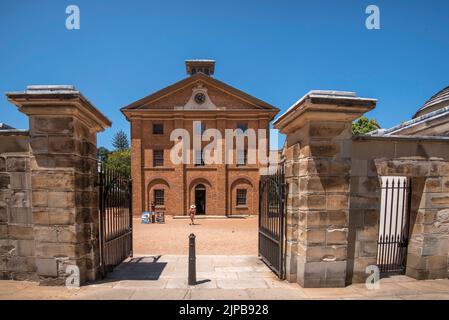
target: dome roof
438 101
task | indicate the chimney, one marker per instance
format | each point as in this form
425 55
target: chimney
205 66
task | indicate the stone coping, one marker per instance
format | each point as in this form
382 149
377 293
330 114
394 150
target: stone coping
54 100
14 132
400 138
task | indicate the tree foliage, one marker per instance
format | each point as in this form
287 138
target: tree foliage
120 141
120 161
364 125
102 154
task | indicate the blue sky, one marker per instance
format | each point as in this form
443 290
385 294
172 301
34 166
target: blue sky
274 50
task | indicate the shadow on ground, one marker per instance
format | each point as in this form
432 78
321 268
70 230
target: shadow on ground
141 268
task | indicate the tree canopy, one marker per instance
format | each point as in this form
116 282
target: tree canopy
364 125
118 160
120 141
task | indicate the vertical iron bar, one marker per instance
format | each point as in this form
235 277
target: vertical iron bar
395 240
391 222
130 216
382 260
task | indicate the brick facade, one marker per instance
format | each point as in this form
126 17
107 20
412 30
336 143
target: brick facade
227 108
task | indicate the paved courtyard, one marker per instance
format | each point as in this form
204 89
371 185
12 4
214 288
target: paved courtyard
232 236
218 277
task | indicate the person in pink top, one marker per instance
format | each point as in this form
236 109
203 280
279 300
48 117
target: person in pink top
192 212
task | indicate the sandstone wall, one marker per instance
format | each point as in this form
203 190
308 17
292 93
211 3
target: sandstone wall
17 250
426 163
48 193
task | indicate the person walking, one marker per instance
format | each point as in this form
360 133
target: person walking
192 212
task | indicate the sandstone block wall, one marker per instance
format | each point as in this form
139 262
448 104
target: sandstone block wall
48 193
17 248
317 171
426 164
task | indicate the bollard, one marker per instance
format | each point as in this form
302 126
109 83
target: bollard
192 260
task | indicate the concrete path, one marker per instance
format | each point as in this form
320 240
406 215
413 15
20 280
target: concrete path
219 277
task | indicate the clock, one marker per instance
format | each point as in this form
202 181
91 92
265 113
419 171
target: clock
200 98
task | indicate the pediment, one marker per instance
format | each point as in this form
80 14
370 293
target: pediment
188 94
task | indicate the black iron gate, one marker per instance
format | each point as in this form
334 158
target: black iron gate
272 193
115 218
394 225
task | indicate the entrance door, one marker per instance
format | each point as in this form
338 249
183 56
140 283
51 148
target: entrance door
272 193
394 225
200 199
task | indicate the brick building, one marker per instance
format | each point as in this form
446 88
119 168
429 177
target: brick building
197 103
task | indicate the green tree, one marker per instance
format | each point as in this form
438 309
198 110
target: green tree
364 125
120 141
102 154
120 161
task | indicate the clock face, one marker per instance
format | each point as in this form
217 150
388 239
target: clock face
200 98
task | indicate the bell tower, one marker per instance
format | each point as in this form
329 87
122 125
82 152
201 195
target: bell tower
205 66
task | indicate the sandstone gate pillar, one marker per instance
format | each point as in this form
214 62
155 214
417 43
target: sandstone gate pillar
318 150
62 128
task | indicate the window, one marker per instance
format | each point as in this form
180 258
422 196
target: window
158 128
241 157
241 197
199 161
158 158
242 126
159 197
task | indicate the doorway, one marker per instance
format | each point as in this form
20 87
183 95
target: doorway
200 199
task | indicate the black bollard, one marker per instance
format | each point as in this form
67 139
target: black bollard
192 260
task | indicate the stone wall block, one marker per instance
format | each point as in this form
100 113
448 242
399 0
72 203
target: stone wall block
52 125
4 181
20 215
61 144
337 202
61 199
336 236
16 164
323 149
53 180
19 232
39 144
3 215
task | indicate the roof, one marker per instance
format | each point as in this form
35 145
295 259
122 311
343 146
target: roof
4 126
440 115
437 101
206 79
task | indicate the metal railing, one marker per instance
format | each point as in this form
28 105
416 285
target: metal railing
115 217
272 193
393 225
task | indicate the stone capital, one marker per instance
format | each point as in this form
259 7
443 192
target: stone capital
335 106
59 100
